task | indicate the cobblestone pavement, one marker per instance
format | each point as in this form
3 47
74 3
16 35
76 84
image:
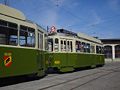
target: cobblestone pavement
102 78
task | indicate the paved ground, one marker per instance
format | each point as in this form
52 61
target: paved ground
103 78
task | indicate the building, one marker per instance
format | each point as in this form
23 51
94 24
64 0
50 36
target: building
111 48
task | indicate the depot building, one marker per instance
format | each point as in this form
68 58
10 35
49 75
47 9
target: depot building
111 48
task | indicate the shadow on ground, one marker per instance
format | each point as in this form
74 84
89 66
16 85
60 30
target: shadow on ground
16 80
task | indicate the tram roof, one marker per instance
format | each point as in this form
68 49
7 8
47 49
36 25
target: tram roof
41 29
11 12
87 37
79 35
66 32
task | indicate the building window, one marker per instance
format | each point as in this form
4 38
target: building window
117 51
108 51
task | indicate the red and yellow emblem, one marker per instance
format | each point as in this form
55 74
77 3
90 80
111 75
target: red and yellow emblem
7 60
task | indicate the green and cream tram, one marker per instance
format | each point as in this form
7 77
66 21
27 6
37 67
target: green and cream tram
68 51
22 45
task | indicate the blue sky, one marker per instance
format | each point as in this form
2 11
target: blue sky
99 18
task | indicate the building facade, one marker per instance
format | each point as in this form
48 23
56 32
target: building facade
111 48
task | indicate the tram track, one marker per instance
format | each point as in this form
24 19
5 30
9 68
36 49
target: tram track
91 80
55 75
71 81
110 71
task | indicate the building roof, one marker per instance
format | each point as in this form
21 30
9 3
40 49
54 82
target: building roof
110 41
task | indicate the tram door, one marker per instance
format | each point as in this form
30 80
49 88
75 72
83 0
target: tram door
63 53
70 55
41 53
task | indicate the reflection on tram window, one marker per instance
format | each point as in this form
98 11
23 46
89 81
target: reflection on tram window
27 36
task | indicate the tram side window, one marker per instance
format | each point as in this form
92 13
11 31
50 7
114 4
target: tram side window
31 37
46 45
88 48
84 48
8 33
78 46
61 44
71 46
98 49
27 36
56 46
40 41
68 46
50 44
92 50
102 50
64 46
3 23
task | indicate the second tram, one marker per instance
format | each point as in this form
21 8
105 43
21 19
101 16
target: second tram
68 51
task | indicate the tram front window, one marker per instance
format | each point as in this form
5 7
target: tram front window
8 33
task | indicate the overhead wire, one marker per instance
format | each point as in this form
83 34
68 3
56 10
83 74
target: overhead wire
77 17
68 12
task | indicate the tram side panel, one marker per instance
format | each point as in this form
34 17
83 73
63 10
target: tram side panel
41 60
100 60
69 61
83 60
92 60
57 60
72 57
64 62
18 61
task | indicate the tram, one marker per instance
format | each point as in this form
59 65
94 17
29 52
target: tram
22 45
69 51
27 49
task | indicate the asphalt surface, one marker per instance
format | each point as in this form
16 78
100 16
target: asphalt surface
102 78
